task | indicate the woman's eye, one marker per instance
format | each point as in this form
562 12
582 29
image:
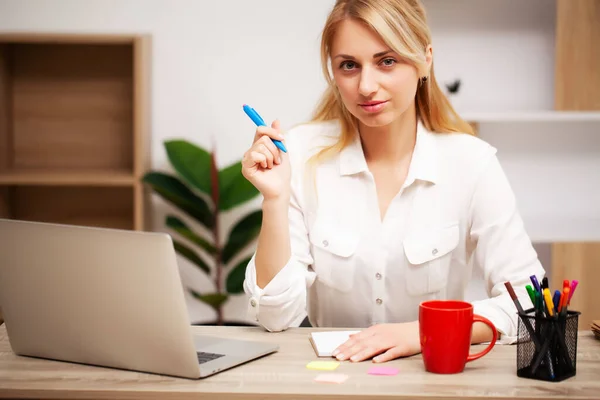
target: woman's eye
388 62
347 65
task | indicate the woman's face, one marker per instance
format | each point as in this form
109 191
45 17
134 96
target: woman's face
375 84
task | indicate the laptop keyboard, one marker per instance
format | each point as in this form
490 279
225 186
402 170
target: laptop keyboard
206 357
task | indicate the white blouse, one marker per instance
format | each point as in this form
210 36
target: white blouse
456 211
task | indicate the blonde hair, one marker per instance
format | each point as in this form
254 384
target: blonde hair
402 24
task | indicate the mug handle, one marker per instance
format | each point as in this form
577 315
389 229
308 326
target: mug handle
479 318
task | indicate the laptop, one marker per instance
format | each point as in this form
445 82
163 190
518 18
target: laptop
105 297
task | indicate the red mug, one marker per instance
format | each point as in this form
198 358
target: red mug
445 330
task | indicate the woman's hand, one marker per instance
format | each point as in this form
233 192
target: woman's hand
265 166
385 341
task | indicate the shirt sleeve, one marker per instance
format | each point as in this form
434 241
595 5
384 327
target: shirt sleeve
503 249
282 302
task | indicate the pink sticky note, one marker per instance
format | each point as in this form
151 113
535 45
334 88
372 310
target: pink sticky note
331 378
388 371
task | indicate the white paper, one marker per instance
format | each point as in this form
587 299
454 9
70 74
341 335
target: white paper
324 343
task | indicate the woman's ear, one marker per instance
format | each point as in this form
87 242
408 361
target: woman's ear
426 66
428 57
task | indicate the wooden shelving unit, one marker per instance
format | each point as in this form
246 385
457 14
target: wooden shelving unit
530 73
74 129
577 83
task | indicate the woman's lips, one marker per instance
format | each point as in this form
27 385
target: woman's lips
373 106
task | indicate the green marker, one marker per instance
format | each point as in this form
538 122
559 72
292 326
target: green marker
531 295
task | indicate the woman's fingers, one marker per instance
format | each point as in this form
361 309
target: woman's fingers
262 149
344 351
263 143
360 351
267 131
262 153
391 354
258 158
365 354
353 347
270 146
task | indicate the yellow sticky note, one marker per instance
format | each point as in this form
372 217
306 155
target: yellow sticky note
323 365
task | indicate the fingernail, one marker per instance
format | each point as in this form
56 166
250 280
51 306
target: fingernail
340 356
354 358
335 352
376 359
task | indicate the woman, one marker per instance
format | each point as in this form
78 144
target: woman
385 200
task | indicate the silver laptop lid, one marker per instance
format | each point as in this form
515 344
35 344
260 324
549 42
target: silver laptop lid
95 296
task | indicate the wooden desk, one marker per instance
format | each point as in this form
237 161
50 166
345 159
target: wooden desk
283 375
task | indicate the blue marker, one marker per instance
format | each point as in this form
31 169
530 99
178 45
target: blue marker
556 299
260 122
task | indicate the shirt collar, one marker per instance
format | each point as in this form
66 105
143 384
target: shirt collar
352 157
423 165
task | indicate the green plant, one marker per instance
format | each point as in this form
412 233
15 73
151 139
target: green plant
202 192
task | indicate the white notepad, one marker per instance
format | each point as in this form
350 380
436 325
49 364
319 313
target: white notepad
325 343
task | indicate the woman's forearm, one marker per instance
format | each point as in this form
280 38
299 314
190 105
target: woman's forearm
273 249
481 333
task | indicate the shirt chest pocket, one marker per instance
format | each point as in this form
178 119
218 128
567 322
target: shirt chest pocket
429 255
333 251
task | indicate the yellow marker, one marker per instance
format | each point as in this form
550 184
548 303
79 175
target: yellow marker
549 303
323 365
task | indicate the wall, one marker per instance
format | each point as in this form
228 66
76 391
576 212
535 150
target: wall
210 57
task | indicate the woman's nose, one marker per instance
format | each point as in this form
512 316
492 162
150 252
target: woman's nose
368 83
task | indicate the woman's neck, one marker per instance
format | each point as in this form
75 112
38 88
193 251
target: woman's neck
390 144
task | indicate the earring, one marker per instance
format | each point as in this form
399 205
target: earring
423 79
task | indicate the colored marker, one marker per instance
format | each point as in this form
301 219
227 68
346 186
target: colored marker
536 284
531 294
574 284
539 304
563 308
549 304
556 300
257 119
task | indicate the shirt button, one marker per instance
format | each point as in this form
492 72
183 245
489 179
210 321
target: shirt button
434 251
378 301
378 276
253 302
325 243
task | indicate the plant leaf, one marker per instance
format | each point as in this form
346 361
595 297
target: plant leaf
234 188
173 190
191 256
191 162
235 279
242 233
180 227
215 300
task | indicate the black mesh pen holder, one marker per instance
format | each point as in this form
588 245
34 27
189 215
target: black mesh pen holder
547 346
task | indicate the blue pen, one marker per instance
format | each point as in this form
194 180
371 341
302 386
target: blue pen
260 122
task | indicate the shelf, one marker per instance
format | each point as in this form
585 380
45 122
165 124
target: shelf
74 128
111 207
533 116
66 106
67 178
